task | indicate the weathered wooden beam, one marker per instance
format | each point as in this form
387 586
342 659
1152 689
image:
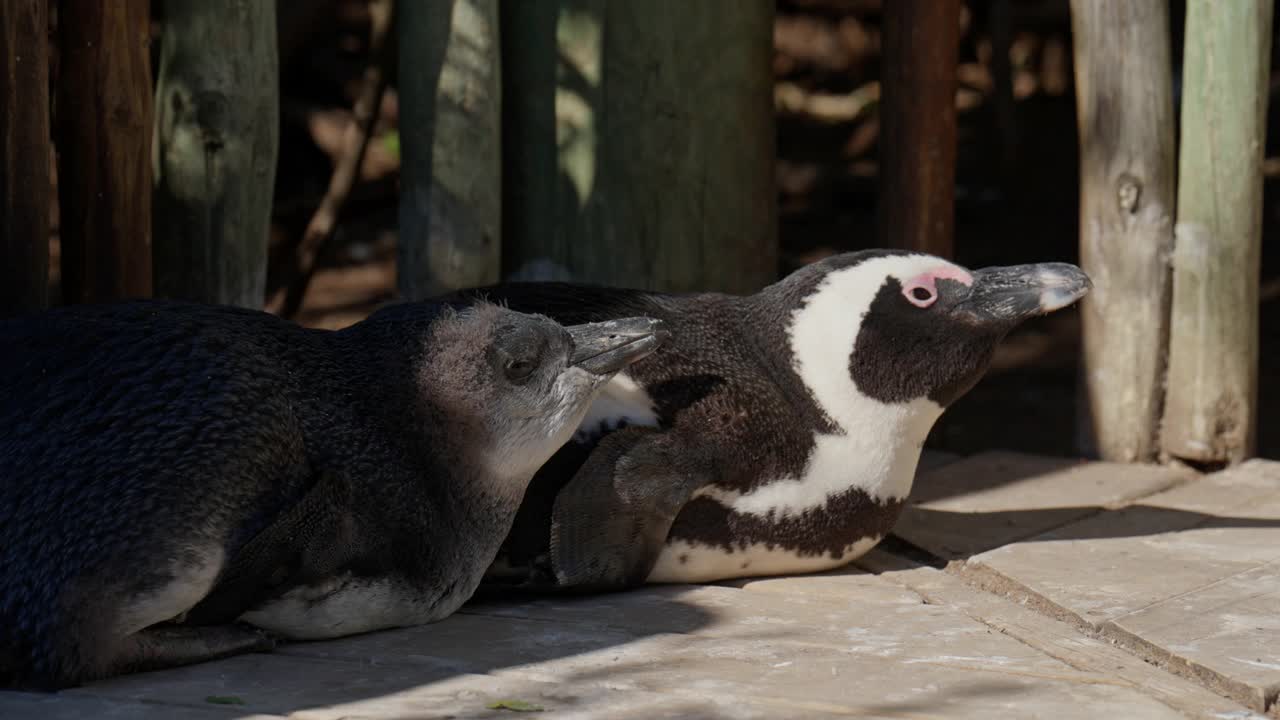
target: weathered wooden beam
450 139
531 177
1124 106
918 125
1211 407
216 144
642 149
1000 27
24 156
103 136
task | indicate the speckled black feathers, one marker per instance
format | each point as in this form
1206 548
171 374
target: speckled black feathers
725 383
140 440
734 414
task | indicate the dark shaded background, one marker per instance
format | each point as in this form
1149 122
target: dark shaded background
826 66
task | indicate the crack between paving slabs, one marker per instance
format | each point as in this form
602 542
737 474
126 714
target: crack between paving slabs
1260 700
990 580
1085 632
983 578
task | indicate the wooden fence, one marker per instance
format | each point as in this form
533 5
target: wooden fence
1171 330
532 134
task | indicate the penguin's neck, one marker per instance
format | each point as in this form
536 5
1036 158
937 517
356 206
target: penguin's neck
867 444
872 445
874 448
379 392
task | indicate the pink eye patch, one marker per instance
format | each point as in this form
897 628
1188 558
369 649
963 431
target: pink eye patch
922 290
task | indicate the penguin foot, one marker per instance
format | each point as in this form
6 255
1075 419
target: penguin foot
166 646
267 641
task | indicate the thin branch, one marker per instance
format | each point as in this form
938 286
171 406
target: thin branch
347 168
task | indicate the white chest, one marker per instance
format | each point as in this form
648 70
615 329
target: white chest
877 453
622 401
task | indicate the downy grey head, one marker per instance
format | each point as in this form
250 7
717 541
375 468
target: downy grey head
521 383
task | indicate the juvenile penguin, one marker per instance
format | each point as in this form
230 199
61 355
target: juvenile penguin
776 433
168 468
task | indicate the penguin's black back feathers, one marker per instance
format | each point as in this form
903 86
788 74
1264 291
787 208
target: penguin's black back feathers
145 436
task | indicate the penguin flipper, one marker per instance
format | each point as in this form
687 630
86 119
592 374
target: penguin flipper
301 546
611 520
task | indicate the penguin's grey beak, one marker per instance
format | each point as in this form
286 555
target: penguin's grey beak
1006 296
605 348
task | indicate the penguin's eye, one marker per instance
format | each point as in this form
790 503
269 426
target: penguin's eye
921 292
519 369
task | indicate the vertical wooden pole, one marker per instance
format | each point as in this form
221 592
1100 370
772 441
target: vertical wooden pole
24 156
918 125
451 177
1000 25
1211 408
531 176
104 149
216 138
662 170
1124 105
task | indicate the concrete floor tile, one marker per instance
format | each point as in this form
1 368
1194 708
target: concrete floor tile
989 500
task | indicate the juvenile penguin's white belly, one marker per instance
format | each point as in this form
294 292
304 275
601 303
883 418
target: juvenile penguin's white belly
347 605
685 562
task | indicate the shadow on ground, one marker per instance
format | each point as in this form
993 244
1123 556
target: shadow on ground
439 662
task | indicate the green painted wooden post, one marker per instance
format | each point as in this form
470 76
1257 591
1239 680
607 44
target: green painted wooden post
1124 104
450 130
660 117
1211 407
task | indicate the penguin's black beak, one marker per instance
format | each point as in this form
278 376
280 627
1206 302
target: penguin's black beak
1005 296
605 348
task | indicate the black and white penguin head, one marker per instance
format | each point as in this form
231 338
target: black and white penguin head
898 328
523 382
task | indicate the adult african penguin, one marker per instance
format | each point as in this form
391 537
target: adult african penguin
169 469
775 433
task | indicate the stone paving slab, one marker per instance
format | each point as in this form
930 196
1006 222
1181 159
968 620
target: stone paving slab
1058 639
466 643
311 689
42 706
985 501
1068 577
1226 634
1189 577
871 648
933 459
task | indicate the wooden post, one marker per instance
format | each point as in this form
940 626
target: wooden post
531 178
103 124
1211 407
451 175
918 125
650 161
216 140
1000 26
24 156
1124 105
